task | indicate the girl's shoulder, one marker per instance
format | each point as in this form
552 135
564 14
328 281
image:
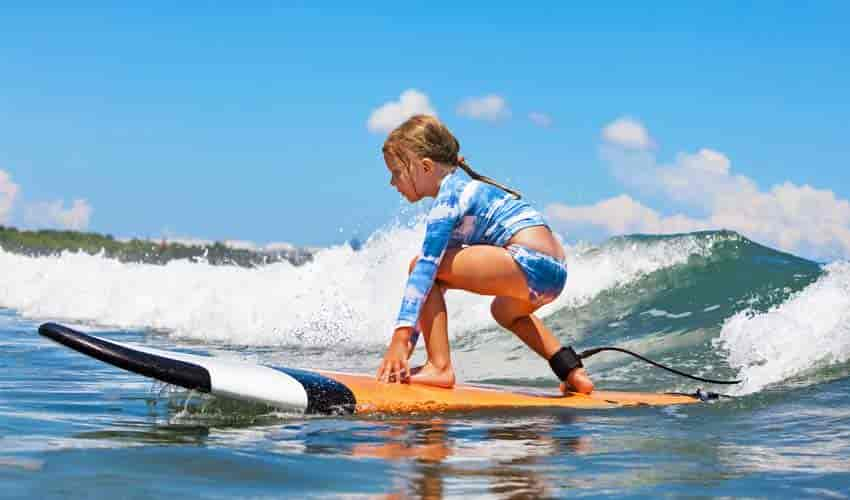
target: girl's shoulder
456 180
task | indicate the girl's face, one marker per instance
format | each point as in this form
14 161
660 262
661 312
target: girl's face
404 177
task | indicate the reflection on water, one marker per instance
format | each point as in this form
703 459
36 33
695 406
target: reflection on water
428 457
502 458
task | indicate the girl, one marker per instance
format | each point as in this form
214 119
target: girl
480 237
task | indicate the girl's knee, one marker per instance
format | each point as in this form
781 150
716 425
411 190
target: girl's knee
504 317
497 315
412 264
507 311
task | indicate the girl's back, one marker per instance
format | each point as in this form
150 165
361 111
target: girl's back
488 214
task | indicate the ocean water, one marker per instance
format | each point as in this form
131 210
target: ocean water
714 304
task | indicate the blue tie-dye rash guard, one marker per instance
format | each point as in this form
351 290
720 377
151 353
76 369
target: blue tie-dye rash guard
465 212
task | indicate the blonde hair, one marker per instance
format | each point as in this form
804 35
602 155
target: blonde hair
426 137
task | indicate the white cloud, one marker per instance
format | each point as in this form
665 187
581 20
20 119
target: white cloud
794 218
627 133
392 114
8 193
622 215
540 119
489 108
52 213
702 179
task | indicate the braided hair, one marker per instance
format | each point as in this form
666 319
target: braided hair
426 137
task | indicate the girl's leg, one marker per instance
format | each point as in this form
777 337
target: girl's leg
434 322
460 268
516 315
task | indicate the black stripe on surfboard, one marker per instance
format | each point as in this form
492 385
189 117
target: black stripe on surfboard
324 395
171 371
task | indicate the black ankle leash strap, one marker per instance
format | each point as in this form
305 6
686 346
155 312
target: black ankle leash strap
565 361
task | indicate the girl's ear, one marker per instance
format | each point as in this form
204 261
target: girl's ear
428 163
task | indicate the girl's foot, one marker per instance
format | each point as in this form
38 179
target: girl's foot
429 375
577 381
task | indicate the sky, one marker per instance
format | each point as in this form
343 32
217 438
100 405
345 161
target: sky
265 123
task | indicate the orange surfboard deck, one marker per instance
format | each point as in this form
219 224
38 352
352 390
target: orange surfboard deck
376 397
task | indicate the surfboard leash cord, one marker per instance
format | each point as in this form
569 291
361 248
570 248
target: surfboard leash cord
590 352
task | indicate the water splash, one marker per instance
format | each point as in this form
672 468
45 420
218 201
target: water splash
808 331
343 297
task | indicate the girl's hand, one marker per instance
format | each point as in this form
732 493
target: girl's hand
394 367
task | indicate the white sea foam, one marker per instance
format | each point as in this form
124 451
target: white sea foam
342 296
809 330
660 313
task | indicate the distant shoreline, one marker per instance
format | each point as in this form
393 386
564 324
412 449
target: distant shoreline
52 242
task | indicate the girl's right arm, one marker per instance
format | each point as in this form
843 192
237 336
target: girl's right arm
442 219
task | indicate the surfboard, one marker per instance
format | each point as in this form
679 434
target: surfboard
329 392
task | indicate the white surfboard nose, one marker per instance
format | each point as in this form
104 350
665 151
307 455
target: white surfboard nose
244 381
233 379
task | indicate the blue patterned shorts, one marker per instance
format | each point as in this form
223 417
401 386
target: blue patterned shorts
546 275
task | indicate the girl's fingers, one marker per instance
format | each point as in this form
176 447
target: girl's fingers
387 371
397 370
398 374
405 370
383 373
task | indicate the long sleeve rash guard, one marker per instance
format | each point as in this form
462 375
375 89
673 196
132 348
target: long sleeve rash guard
465 212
